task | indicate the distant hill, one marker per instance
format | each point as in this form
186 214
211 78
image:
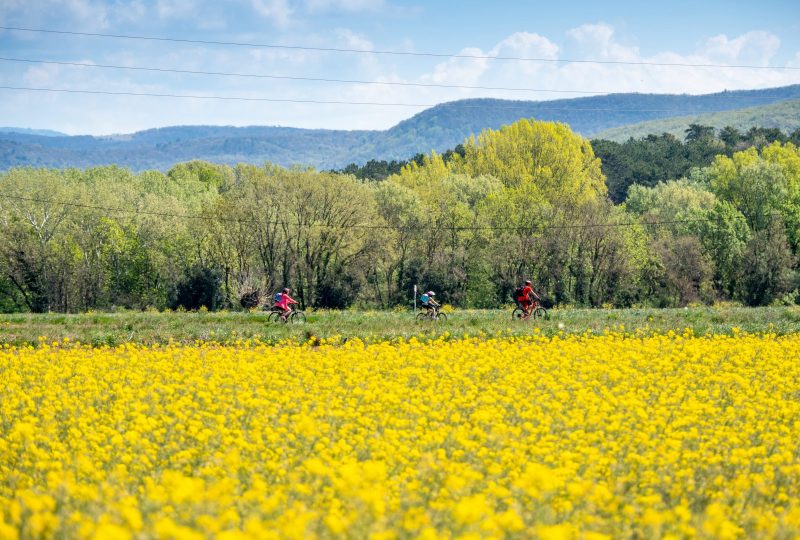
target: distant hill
784 116
43 132
438 128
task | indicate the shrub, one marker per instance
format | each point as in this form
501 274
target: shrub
200 287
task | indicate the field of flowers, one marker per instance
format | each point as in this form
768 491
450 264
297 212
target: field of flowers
571 436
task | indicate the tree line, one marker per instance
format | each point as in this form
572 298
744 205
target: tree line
530 200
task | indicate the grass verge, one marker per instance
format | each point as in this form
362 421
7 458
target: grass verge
149 328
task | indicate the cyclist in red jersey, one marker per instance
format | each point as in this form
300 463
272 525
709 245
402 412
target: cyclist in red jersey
527 297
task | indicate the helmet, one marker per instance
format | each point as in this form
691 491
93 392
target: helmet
528 282
287 290
431 293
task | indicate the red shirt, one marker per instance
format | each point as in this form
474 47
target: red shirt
527 291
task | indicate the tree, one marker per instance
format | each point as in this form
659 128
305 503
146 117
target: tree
209 175
402 210
794 138
30 238
678 272
326 223
754 186
761 137
787 158
698 132
676 205
546 158
723 233
647 161
765 271
730 136
199 288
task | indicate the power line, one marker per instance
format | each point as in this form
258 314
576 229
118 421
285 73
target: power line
224 98
537 228
534 106
312 79
328 80
395 53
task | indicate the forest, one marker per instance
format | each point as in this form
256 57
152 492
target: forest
650 222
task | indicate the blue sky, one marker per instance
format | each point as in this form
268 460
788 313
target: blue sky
765 34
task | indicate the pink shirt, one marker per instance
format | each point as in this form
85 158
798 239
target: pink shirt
285 301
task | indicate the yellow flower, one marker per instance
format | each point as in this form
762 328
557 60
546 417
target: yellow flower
471 509
585 437
109 531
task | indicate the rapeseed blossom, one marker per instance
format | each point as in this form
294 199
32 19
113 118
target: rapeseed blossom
569 437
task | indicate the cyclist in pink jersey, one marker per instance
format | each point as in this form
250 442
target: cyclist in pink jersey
284 303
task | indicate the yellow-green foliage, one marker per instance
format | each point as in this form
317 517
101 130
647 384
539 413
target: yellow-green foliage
546 160
566 437
544 156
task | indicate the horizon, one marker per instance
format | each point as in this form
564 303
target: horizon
11 129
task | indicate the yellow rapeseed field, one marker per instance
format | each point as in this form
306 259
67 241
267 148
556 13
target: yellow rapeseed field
584 437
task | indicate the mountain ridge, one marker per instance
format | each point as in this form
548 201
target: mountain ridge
437 128
33 131
783 115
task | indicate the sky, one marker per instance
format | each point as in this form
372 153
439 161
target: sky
287 42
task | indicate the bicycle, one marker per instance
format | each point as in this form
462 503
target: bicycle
432 315
296 315
536 312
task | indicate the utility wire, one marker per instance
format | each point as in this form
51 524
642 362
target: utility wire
535 106
327 80
390 52
538 228
225 98
312 79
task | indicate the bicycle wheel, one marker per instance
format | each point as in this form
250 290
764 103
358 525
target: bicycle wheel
540 313
517 313
422 316
440 317
273 316
298 317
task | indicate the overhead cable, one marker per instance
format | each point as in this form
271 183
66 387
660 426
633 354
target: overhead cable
719 95
395 52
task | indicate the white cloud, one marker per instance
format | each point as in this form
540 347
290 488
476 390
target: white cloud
482 71
278 11
41 76
83 13
131 11
752 47
524 45
170 9
596 41
460 71
349 6
347 39
351 40
87 11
